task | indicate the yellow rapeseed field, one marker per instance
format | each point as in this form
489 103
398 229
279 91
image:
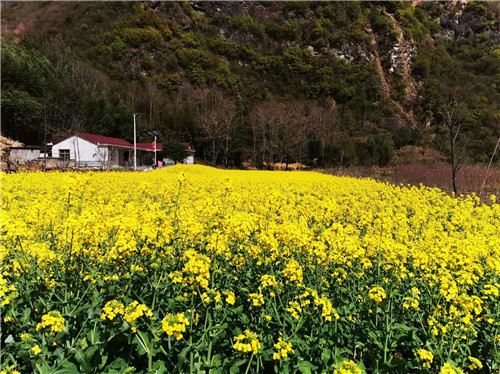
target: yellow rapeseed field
191 269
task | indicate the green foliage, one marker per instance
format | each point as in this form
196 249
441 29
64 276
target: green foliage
377 150
295 61
299 8
194 57
415 21
405 136
174 150
229 83
170 82
253 56
137 37
145 20
380 22
147 62
287 31
241 23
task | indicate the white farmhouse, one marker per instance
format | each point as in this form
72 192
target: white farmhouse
90 150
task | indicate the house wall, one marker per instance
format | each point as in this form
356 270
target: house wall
187 161
86 153
83 152
23 155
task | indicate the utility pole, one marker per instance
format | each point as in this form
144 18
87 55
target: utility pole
135 145
156 163
155 135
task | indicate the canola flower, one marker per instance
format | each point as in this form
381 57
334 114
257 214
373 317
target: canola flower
426 357
475 363
135 310
112 309
201 253
230 297
36 349
377 294
51 323
247 342
283 349
9 370
257 299
348 367
450 369
175 325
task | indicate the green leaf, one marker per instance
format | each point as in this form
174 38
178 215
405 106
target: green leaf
90 351
216 360
183 356
104 359
159 367
42 368
67 368
305 367
82 359
142 343
325 356
234 369
375 339
118 365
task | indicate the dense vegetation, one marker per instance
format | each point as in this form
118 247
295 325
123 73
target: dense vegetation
318 83
192 269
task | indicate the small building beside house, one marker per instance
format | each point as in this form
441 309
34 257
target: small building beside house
23 155
189 160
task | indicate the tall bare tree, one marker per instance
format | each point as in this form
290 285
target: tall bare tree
152 92
218 117
454 115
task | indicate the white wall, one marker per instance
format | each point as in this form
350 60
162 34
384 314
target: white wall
81 150
23 155
189 160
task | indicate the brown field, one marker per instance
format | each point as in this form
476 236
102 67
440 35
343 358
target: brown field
470 177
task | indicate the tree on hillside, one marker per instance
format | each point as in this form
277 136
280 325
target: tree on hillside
217 118
453 113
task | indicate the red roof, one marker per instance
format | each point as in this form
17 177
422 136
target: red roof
188 146
106 140
98 139
149 146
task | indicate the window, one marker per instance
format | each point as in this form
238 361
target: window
64 154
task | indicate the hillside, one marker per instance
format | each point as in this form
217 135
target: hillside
330 84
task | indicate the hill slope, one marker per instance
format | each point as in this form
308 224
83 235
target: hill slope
330 83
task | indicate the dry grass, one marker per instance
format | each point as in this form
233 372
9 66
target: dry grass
470 177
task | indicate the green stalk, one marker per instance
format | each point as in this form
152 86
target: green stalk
249 363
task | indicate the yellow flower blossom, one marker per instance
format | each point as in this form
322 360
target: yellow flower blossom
283 349
475 363
175 325
377 294
52 322
135 310
230 297
426 357
36 349
348 367
112 309
450 369
247 342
